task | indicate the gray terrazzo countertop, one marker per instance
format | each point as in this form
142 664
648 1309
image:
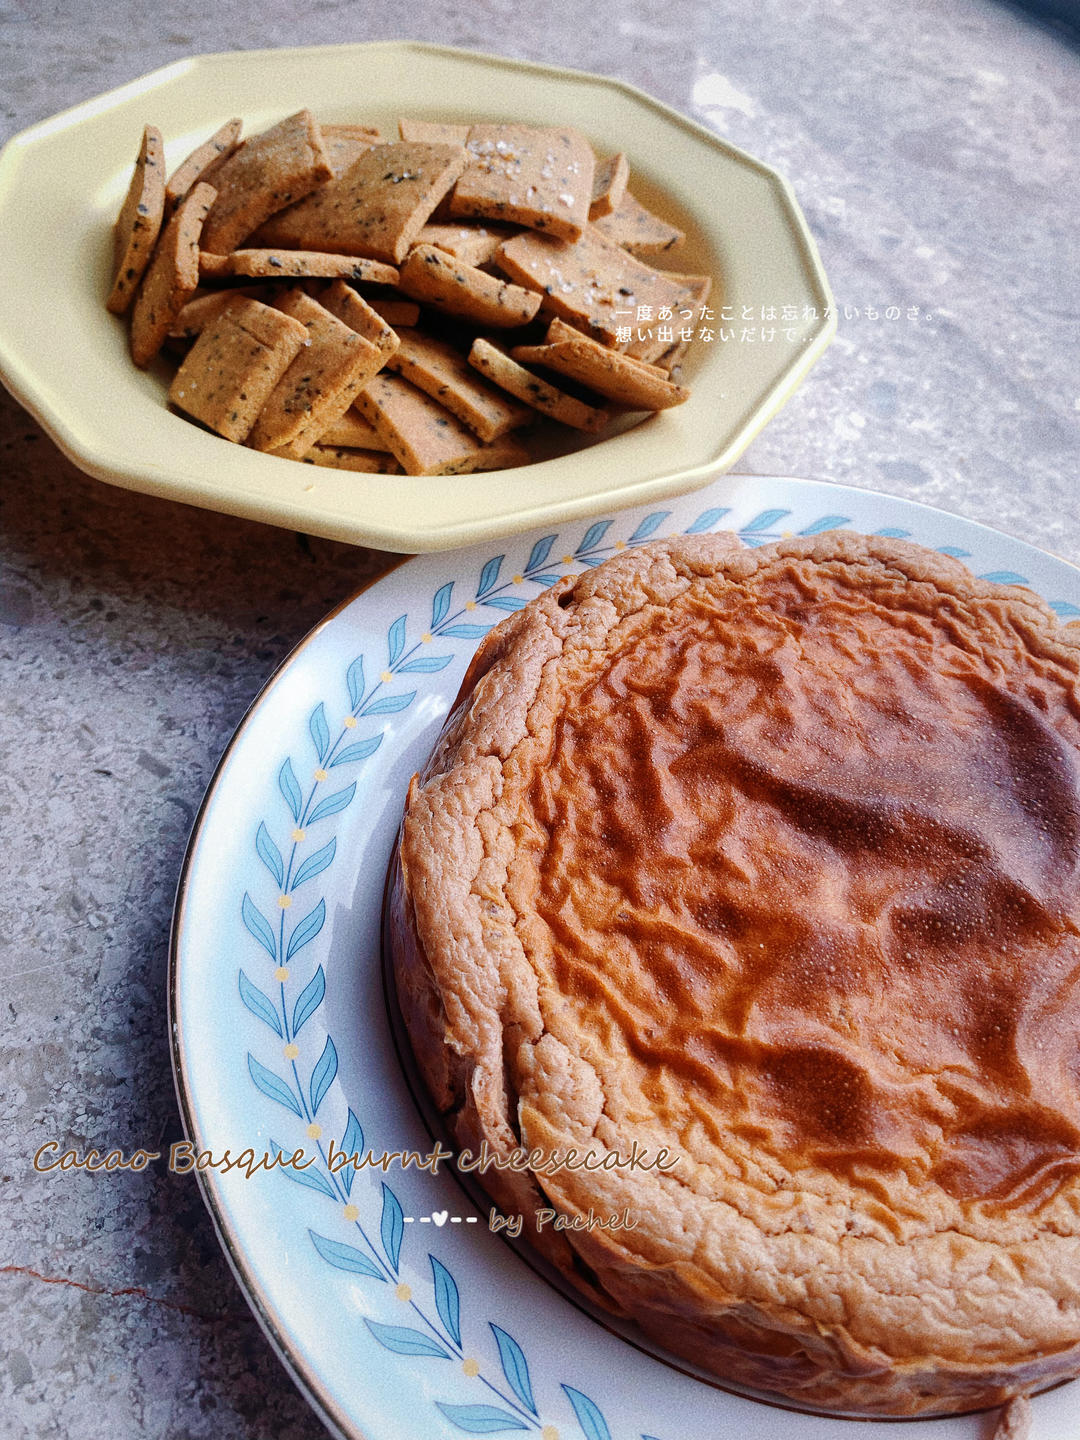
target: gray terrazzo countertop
933 149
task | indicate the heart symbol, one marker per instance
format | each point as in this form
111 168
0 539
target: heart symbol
439 1217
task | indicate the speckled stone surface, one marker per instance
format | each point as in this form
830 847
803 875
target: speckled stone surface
933 148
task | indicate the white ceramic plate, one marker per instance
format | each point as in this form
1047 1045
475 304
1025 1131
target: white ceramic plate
66 359
387 1297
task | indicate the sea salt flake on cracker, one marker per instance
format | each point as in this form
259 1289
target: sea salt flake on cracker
376 208
445 374
431 275
473 244
609 185
501 370
320 384
172 278
139 222
592 282
203 162
423 435
638 230
235 363
537 176
267 173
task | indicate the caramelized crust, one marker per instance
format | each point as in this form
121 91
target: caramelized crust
773 858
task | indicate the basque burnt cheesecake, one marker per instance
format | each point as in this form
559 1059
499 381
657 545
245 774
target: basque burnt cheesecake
769 860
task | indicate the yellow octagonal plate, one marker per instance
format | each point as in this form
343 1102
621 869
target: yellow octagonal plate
66 359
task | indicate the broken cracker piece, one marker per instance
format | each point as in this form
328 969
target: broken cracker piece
268 172
139 222
203 162
376 208
319 385
609 185
615 376
638 230
592 283
446 375
436 278
230 371
538 176
693 291
501 370
173 275
424 436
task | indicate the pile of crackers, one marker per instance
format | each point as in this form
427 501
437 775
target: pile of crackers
424 305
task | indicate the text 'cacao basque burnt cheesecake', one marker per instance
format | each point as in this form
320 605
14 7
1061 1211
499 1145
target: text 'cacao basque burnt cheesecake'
771 858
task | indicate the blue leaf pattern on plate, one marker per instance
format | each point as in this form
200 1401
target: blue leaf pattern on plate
592 1422
306 931
273 1087
426 664
447 1299
360 751
593 536
391 704
322 1077
307 1177
953 550
466 632
395 639
290 789
258 1004
540 552
441 604
489 575
891 533
269 854
345 1257
506 602
764 521
320 733
512 1358
1065 608
1005 577
405 1341
354 679
649 525
352 1143
315 864
480 1419
332 804
308 1001
257 925
707 519
391 1227
827 522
